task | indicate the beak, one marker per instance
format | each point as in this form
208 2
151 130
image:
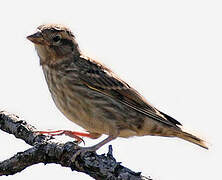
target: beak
36 38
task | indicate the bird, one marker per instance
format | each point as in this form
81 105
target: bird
92 96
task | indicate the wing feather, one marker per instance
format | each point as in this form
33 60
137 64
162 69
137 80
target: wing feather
103 80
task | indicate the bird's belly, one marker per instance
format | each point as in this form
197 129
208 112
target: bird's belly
81 110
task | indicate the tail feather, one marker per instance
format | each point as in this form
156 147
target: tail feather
193 139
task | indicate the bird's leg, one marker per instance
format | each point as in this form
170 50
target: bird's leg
92 148
72 134
103 142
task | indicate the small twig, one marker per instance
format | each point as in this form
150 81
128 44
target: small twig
46 150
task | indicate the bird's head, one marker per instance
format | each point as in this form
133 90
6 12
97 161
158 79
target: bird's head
54 43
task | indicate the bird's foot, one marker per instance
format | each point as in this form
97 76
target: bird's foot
94 148
72 134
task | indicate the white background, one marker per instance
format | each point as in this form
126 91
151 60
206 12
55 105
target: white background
170 51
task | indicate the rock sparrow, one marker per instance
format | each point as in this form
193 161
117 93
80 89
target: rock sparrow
92 96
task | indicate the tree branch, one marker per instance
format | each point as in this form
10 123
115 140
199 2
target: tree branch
46 150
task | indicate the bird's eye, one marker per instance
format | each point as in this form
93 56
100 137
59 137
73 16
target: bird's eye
57 38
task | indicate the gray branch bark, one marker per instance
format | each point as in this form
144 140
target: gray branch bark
46 149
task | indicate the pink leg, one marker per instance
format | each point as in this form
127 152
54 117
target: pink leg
72 134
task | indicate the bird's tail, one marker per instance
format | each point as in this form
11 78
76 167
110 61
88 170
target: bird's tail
193 139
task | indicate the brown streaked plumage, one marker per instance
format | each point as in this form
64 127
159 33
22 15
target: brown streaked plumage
92 96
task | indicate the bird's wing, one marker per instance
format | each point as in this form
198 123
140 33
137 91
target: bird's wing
99 78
